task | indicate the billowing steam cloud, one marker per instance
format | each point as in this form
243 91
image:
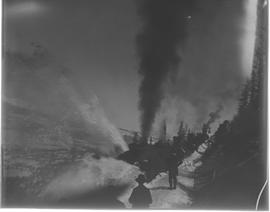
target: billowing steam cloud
212 72
163 30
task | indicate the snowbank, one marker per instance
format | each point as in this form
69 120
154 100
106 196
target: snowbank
87 175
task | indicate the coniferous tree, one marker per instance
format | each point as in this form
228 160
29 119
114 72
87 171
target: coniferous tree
181 132
245 97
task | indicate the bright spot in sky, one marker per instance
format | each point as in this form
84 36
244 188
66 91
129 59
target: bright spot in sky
249 28
24 8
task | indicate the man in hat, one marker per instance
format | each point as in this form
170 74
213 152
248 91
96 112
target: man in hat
140 196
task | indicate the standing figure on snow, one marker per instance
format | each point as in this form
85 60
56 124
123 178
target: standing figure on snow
173 170
140 196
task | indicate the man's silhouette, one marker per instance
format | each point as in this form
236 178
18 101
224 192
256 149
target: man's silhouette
173 170
140 196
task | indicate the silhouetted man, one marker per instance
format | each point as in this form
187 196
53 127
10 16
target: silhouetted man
173 170
140 196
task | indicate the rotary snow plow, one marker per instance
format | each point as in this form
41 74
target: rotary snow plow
151 159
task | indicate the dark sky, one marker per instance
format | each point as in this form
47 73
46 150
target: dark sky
96 40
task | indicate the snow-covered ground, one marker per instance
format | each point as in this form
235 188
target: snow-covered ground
91 174
63 177
163 197
51 173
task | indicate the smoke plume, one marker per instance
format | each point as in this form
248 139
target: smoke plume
213 116
164 29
